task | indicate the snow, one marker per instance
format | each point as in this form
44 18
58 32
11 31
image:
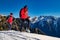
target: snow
2 15
16 35
35 20
42 18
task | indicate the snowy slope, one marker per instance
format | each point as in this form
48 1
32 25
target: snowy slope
16 35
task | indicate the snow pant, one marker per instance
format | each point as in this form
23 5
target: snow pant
9 26
25 24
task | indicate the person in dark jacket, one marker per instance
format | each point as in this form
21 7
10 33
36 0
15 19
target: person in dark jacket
24 17
10 21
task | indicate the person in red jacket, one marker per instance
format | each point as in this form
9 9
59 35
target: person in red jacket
24 16
10 20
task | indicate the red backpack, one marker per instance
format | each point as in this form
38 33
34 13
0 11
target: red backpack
23 13
10 19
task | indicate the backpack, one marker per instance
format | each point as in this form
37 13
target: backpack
7 17
23 13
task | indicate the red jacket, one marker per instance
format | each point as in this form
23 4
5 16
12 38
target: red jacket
10 19
23 13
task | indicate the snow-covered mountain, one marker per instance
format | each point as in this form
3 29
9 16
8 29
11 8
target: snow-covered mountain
49 25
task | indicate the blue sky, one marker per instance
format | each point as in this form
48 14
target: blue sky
35 7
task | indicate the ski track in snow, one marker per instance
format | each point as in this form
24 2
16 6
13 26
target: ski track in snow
16 35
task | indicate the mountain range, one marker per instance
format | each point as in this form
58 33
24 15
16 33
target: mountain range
49 25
